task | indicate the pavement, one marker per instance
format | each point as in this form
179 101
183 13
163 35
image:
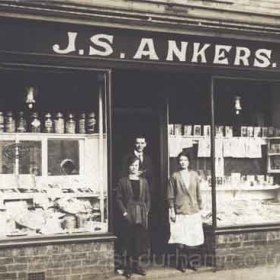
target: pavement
268 272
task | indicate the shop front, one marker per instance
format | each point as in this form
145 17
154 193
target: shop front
74 96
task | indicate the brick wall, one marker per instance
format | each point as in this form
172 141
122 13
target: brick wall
247 249
91 260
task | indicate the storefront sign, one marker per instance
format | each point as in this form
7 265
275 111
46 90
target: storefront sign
151 49
136 46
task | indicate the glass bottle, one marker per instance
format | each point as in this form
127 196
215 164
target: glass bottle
82 123
70 126
35 123
91 122
22 124
48 124
1 122
59 123
10 123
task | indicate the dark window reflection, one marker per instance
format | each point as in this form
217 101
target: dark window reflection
63 157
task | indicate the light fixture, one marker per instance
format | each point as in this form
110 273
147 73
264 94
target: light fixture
31 92
237 104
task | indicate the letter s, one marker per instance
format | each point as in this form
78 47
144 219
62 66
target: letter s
262 58
104 42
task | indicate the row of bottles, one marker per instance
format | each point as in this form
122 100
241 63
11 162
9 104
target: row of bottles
85 123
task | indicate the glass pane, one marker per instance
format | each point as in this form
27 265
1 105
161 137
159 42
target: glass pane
189 132
7 157
247 153
63 157
30 157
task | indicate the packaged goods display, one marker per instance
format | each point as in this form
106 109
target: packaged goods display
47 123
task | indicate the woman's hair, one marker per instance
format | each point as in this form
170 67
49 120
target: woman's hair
131 160
183 154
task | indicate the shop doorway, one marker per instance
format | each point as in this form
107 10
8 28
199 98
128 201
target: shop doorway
138 109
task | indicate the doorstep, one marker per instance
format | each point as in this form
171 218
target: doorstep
163 273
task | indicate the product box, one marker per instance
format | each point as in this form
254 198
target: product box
264 131
187 130
177 129
197 130
244 131
206 130
270 131
277 131
257 131
228 131
170 129
250 131
219 130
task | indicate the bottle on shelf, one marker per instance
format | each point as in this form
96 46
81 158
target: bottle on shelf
59 123
48 124
82 123
2 126
70 126
10 123
91 122
21 124
35 123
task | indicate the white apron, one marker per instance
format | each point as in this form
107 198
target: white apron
187 230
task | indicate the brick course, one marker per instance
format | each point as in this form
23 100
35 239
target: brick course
89 260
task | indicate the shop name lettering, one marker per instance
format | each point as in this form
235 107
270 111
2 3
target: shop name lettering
102 45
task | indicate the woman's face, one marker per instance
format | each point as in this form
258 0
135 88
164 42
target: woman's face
134 167
184 162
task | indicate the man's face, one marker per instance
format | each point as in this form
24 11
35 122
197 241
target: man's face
140 144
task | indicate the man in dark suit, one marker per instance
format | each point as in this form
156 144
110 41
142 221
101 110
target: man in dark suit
146 165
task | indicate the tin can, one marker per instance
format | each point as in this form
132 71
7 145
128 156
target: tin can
91 122
48 124
59 123
2 126
70 126
10 123
82 123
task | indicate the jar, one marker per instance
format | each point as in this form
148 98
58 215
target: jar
82 123
1 122
48 124
10 123
70 126
35 123
22 124
91 123
59 123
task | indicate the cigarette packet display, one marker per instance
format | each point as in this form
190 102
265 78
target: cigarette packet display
219 130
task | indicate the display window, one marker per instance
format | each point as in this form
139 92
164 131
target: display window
247 137
53 152
189 127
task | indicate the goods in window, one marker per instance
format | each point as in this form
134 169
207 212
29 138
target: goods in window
2 126
82 123
48 124
91 122
35 123
70 126
21 123
59 123
10 123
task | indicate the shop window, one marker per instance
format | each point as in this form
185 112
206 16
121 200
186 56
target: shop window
189 131
53 152
247 151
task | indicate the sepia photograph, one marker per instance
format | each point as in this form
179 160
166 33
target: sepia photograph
139 139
